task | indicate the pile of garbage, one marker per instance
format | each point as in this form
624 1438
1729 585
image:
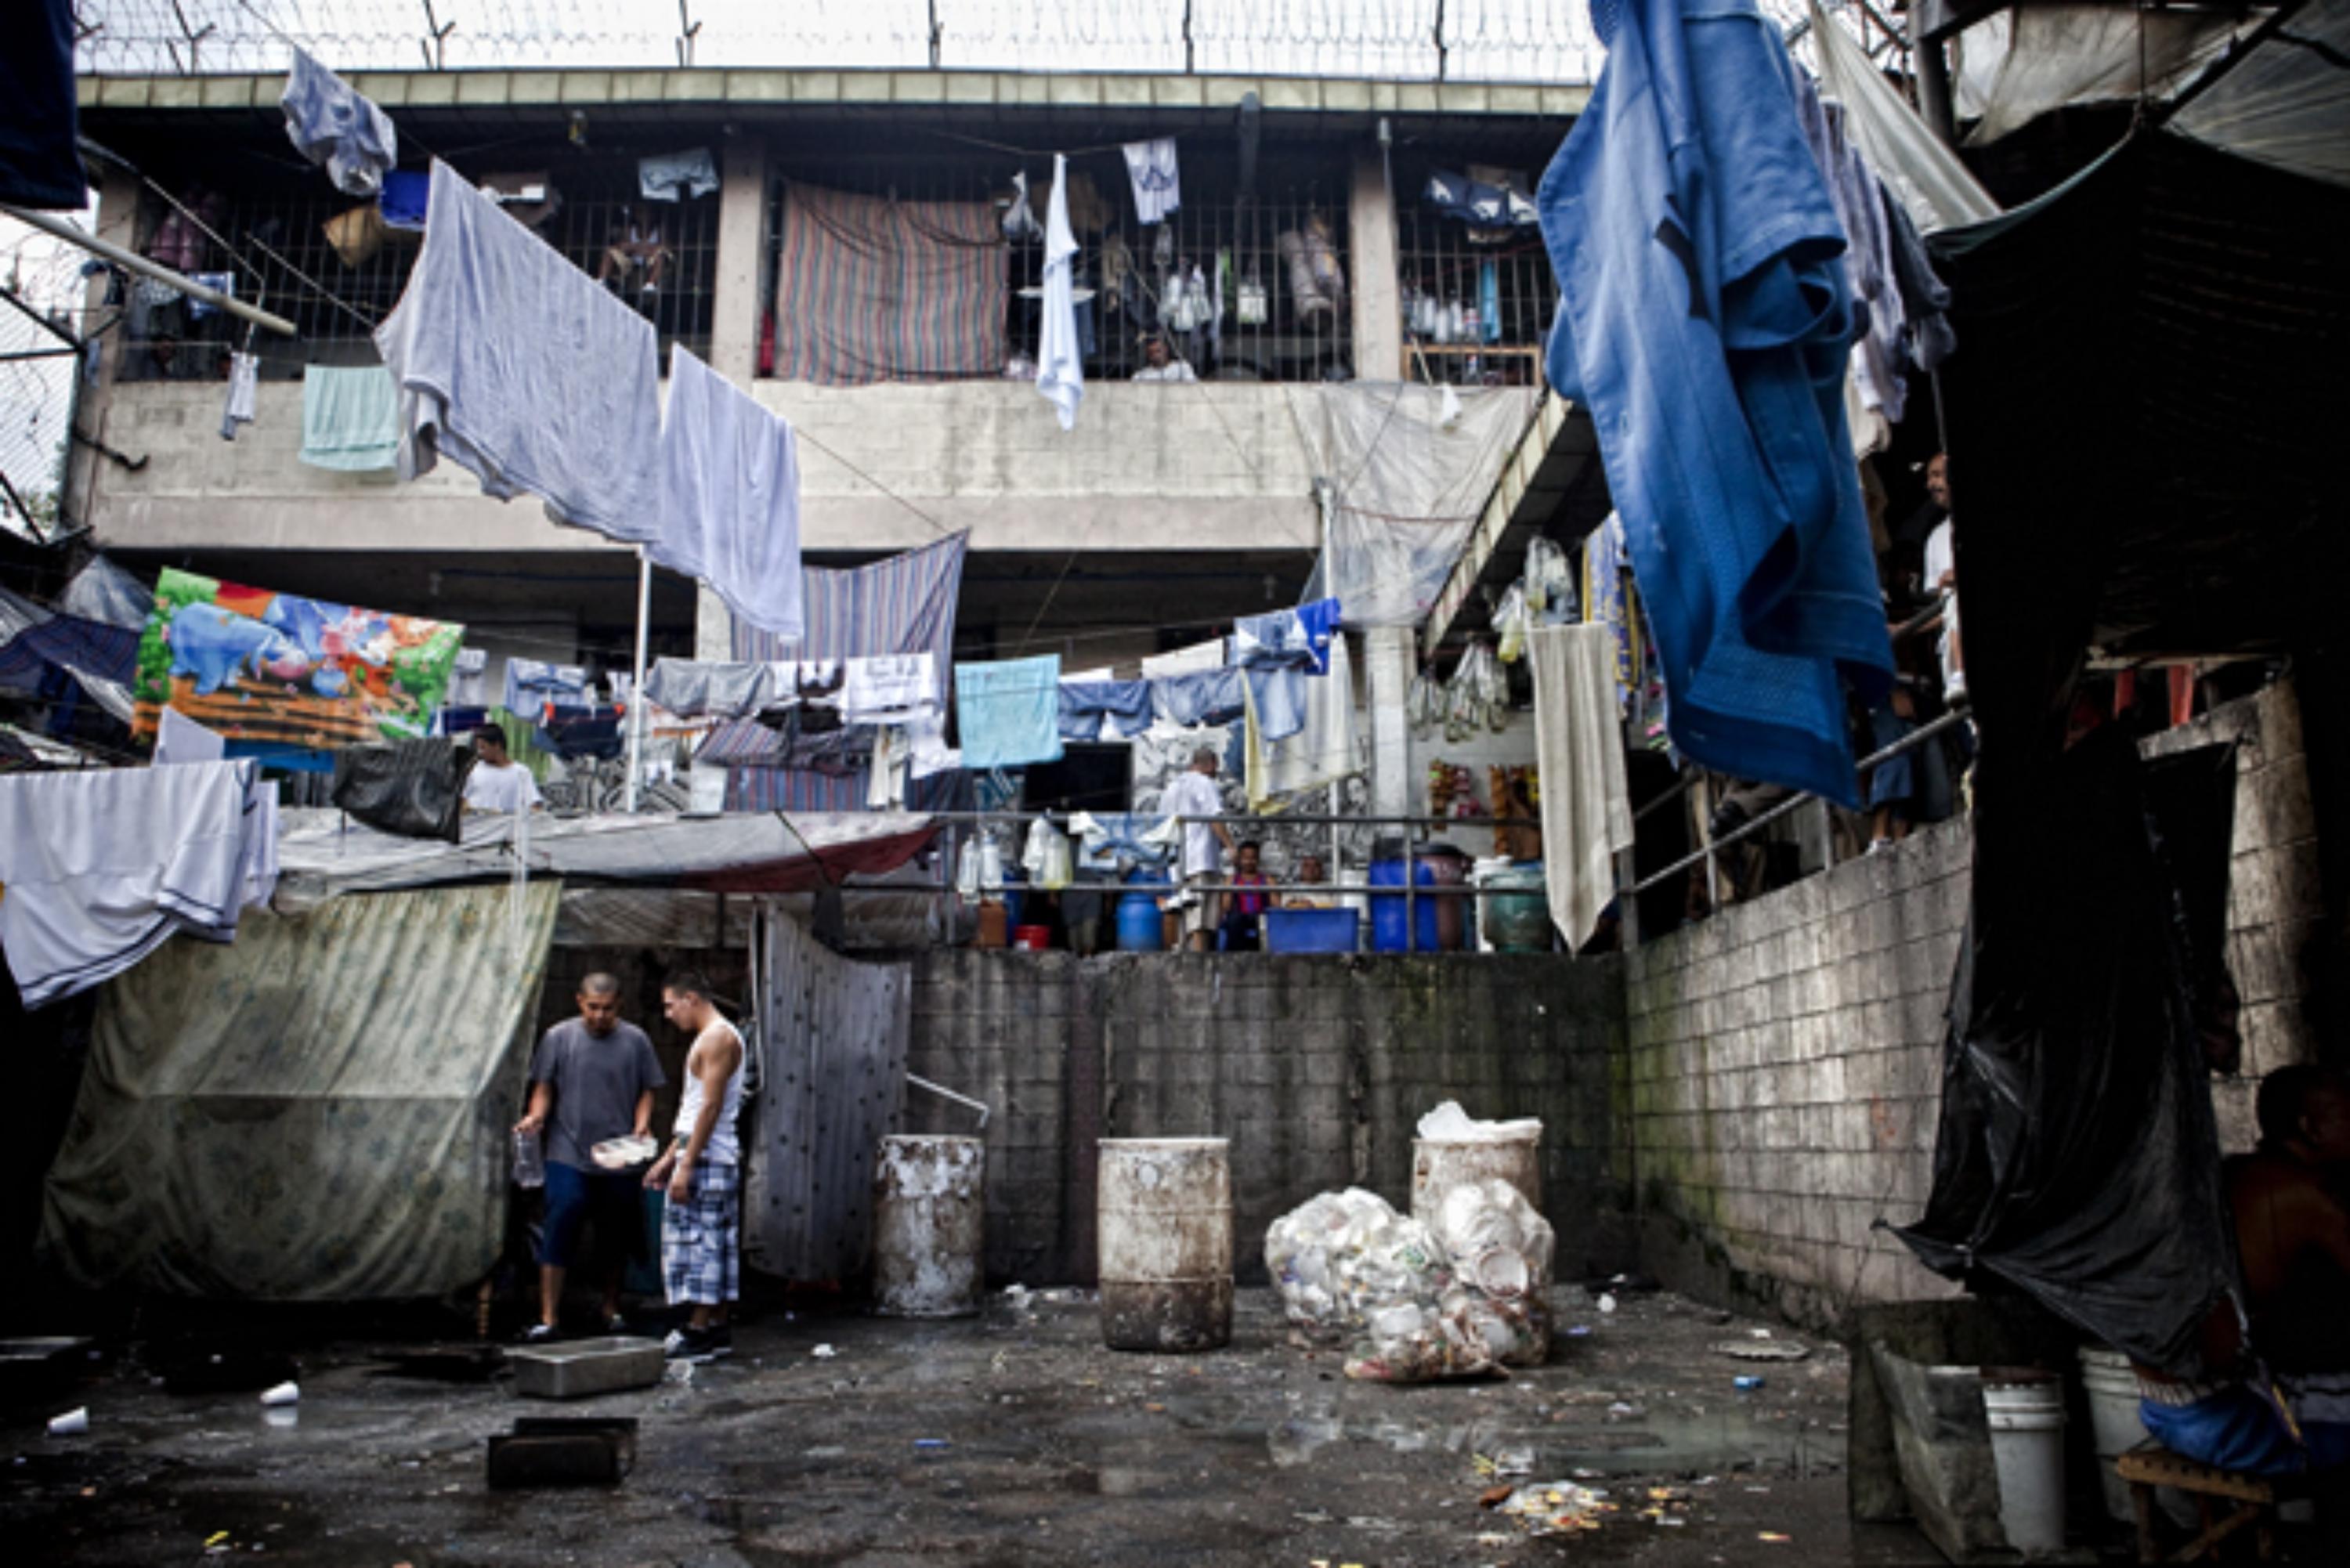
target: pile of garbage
1415 1302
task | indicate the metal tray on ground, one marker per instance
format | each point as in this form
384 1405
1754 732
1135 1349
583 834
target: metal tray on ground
576 1368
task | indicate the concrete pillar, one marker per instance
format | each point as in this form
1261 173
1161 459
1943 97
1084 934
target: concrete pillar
118 221
1390 654
1378 293
742 259
735 297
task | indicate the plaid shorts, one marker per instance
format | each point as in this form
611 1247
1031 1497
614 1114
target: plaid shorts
701 1240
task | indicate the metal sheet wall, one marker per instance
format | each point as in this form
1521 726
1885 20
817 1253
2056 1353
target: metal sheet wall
832 1072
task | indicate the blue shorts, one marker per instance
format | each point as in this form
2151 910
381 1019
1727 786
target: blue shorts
2240 1430
611 1202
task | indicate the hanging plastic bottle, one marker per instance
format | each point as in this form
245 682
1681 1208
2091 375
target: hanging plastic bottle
529 1161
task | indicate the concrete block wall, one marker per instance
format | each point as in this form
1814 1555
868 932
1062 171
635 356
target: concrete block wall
2276 904
1783 1082
1318 1069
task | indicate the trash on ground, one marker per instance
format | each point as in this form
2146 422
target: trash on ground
1353 1271
1747 1385
1761 1349
72 1423
1607 1304
1448 1123
1556 1507
824 1353
932 1443
283 1394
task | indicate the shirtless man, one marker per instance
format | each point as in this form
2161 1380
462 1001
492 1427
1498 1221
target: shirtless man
2293 1239
701 1227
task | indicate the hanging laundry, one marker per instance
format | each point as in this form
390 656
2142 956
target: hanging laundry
40 160
1927 338
331 124
1490 211
674 176
928 751
219 282
1324 749
1009 711
414 788
469 679
730 497
1060 369
1084 704
1300 637
103 866
1756 575
1868 262
889 689
1276 700
1157 187
1587 811
351 418
515 365
180 738
533 689
237 408
1211 697
406 197
694 688
901 605
869 289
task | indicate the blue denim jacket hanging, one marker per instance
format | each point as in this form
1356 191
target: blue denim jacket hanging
1703 322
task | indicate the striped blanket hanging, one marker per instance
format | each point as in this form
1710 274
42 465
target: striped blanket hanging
869 289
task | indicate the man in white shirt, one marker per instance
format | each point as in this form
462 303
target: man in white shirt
1195 795
498 784
1941 576
1162 366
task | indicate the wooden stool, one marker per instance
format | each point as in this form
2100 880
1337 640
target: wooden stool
2150 1465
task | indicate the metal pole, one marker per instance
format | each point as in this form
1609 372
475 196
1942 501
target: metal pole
131 261
637 682
1932 66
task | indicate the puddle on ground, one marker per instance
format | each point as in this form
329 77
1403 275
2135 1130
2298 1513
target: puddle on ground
1656 1441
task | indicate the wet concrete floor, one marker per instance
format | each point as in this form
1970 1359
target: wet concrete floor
1011 1438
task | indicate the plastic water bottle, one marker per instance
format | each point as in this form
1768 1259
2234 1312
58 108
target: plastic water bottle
530 1160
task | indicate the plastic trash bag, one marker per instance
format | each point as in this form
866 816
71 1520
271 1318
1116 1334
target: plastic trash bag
1448 1123
1511 620
1344 1255
1550 583
1047 859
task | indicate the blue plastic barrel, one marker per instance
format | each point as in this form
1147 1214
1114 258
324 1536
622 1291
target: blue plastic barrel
1140 928
1388 910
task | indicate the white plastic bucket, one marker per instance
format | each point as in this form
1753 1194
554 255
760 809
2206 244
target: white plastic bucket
2112 1387
2026 1412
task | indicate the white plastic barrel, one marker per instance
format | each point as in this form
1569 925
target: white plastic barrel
1165 1234
1438 1165
2113 1393
930 1226
2026 1412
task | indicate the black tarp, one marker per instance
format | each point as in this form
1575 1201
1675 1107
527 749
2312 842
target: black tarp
414 788
2142 417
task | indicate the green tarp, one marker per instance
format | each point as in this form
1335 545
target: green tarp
319 1111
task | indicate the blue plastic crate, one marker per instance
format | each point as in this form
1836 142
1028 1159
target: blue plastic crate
1312 930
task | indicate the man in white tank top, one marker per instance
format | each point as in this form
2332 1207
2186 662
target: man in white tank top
701 1227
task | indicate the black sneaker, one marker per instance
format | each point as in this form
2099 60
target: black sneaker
700 1344
541 1334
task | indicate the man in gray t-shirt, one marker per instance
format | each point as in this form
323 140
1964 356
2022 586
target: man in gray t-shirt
591 1079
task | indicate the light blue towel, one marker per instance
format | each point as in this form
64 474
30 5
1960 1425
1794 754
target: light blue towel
350 416
1009 711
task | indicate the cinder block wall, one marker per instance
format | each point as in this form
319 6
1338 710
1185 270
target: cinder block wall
1317 1068
1785 1061
2277 928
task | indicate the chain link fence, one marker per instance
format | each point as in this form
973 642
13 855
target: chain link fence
39 368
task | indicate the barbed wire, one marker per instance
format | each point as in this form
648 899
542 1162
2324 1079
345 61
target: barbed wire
1466 41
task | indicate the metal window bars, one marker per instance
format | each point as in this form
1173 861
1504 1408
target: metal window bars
1279 321
1476 303
274 227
